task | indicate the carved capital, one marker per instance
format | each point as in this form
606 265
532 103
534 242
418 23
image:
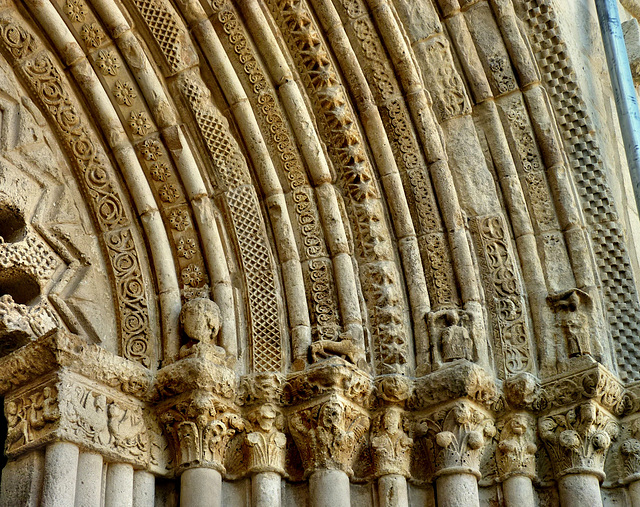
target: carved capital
630 452
515 454
390 443
329 433
578 439
455 437
66 406
266 442
200 427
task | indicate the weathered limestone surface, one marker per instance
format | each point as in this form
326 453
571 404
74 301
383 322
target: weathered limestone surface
315 252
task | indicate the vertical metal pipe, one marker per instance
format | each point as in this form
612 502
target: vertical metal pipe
623 87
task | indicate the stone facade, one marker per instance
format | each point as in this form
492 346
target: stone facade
315 252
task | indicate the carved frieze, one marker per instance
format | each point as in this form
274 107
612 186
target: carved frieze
71 408
592 383
506 302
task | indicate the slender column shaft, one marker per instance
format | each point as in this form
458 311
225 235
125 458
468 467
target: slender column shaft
265 488
21 482
634 493
60 470
329 488
89 479
518 491
144 489
578 490
457 490
200 487
119 487
623 87
392 491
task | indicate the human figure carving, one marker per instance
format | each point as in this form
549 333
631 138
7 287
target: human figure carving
572 307
455 340
200 321
452 340
391 445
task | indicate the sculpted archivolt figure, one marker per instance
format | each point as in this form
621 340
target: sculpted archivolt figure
200 320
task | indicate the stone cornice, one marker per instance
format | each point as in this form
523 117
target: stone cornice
594 382
61 349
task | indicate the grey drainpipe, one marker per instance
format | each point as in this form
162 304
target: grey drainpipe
623 87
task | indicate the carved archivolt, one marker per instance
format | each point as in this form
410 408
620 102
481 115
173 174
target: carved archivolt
374 237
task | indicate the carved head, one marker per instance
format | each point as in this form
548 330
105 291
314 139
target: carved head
200 320
267 418
331 414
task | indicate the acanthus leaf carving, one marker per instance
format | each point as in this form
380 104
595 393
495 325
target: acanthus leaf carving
578 439
456 435
200 428
266 442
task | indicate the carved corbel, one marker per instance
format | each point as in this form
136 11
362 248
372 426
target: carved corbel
20 324
578 439
390 443
329 434
456 436
515 454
